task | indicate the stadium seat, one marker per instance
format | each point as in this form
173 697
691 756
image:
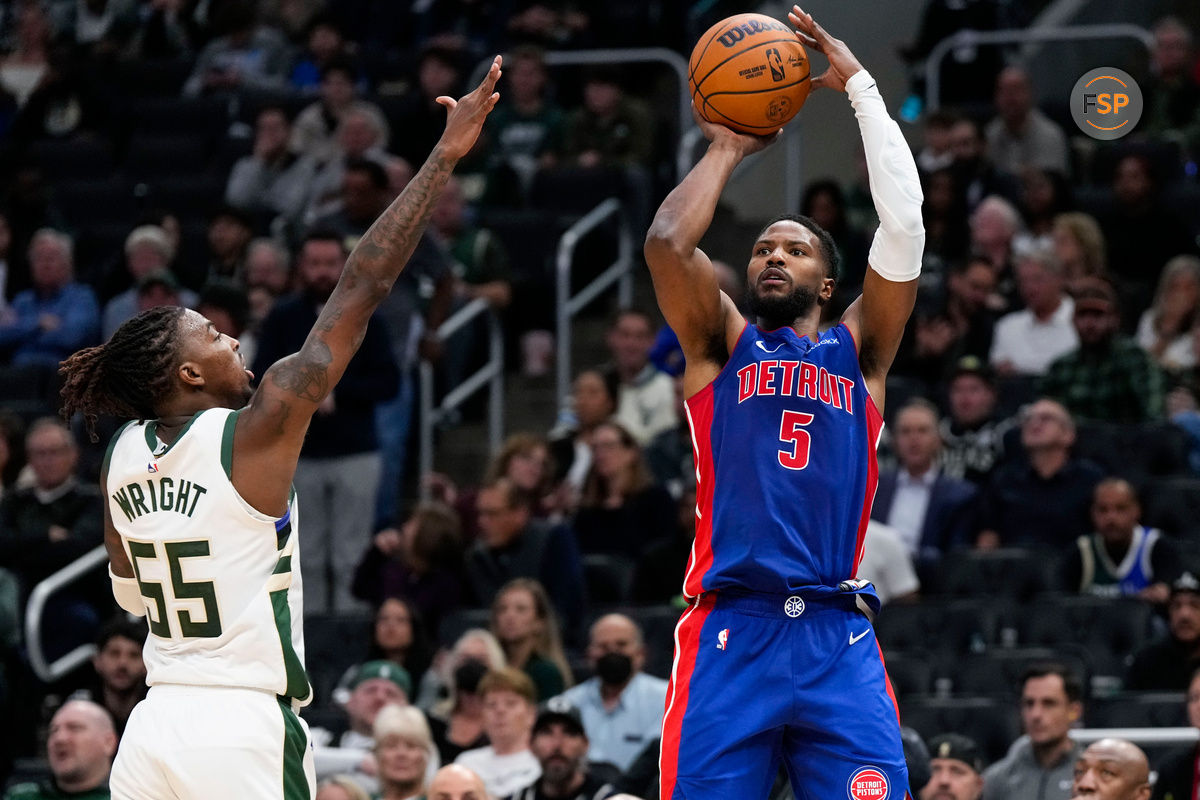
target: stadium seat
196 196
574 191
608 578
991 722
1138 710
998 671
178 116
81 157
1013 392
1012 574
458 622
947 628
1109 629
150 157
900 389
1134 452
911 671
333 643
1173 504
88 202
156 78
529 236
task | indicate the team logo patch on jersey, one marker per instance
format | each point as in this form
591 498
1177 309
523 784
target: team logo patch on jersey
722 639
868 783
794 606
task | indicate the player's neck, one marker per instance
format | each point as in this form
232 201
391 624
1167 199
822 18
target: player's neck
176 412
803 326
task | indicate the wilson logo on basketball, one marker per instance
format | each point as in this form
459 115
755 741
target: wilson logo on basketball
868 783
749 28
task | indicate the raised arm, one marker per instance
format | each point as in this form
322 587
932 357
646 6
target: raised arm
684 281
271 429
878 317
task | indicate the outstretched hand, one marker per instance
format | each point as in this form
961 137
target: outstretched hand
746 143
467 114
842 63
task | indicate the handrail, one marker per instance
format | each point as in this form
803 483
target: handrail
491 374
624 55
969 38
50 672
1137 735
566 306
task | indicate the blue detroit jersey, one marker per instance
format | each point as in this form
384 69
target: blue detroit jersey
785 440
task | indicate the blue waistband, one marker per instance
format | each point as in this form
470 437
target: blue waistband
796 605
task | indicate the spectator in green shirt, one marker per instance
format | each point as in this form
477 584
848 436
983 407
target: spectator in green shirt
1109 378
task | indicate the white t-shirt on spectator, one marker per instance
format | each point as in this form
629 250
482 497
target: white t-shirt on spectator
502 775
1031 345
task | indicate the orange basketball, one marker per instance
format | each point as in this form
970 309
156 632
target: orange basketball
749 72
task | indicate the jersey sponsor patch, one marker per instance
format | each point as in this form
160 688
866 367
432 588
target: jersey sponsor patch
868 783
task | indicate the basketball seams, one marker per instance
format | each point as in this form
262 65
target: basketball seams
756 91
754 46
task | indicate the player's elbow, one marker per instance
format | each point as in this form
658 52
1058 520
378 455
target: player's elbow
663 241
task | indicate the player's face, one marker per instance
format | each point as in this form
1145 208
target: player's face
1105 772
516 616
119 664
507 716
1115 512
561 752
786 274
1183 616
393 626
1046 713
219 358
951 779
401 760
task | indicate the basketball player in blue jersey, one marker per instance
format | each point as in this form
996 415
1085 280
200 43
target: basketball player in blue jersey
775 658
201 524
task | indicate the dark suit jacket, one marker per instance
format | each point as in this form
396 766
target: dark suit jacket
949 519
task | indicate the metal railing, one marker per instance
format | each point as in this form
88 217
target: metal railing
567 307
491 375
1137 735
933 63
625 55
52 671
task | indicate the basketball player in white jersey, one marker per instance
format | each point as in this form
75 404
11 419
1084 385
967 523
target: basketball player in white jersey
201 523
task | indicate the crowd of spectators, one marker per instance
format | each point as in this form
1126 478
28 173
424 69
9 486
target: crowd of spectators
1043 434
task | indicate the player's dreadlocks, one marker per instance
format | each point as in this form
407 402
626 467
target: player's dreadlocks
126 377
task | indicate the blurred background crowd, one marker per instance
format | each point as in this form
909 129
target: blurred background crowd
1037 522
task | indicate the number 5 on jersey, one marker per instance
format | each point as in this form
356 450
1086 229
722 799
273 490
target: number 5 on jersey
204 591
792 433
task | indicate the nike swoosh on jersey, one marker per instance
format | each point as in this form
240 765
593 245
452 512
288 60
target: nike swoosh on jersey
764 347
854 638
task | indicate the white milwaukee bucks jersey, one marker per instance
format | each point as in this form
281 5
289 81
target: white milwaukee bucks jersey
221 581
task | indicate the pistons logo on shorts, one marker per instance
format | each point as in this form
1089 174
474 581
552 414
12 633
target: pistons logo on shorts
868 783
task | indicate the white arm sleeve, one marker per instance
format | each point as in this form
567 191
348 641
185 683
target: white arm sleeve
129 596
895 187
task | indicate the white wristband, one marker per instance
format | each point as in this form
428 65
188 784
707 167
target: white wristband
895 186
128 594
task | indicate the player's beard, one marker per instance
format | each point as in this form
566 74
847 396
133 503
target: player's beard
783 309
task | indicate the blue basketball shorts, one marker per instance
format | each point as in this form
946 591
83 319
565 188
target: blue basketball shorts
762 678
